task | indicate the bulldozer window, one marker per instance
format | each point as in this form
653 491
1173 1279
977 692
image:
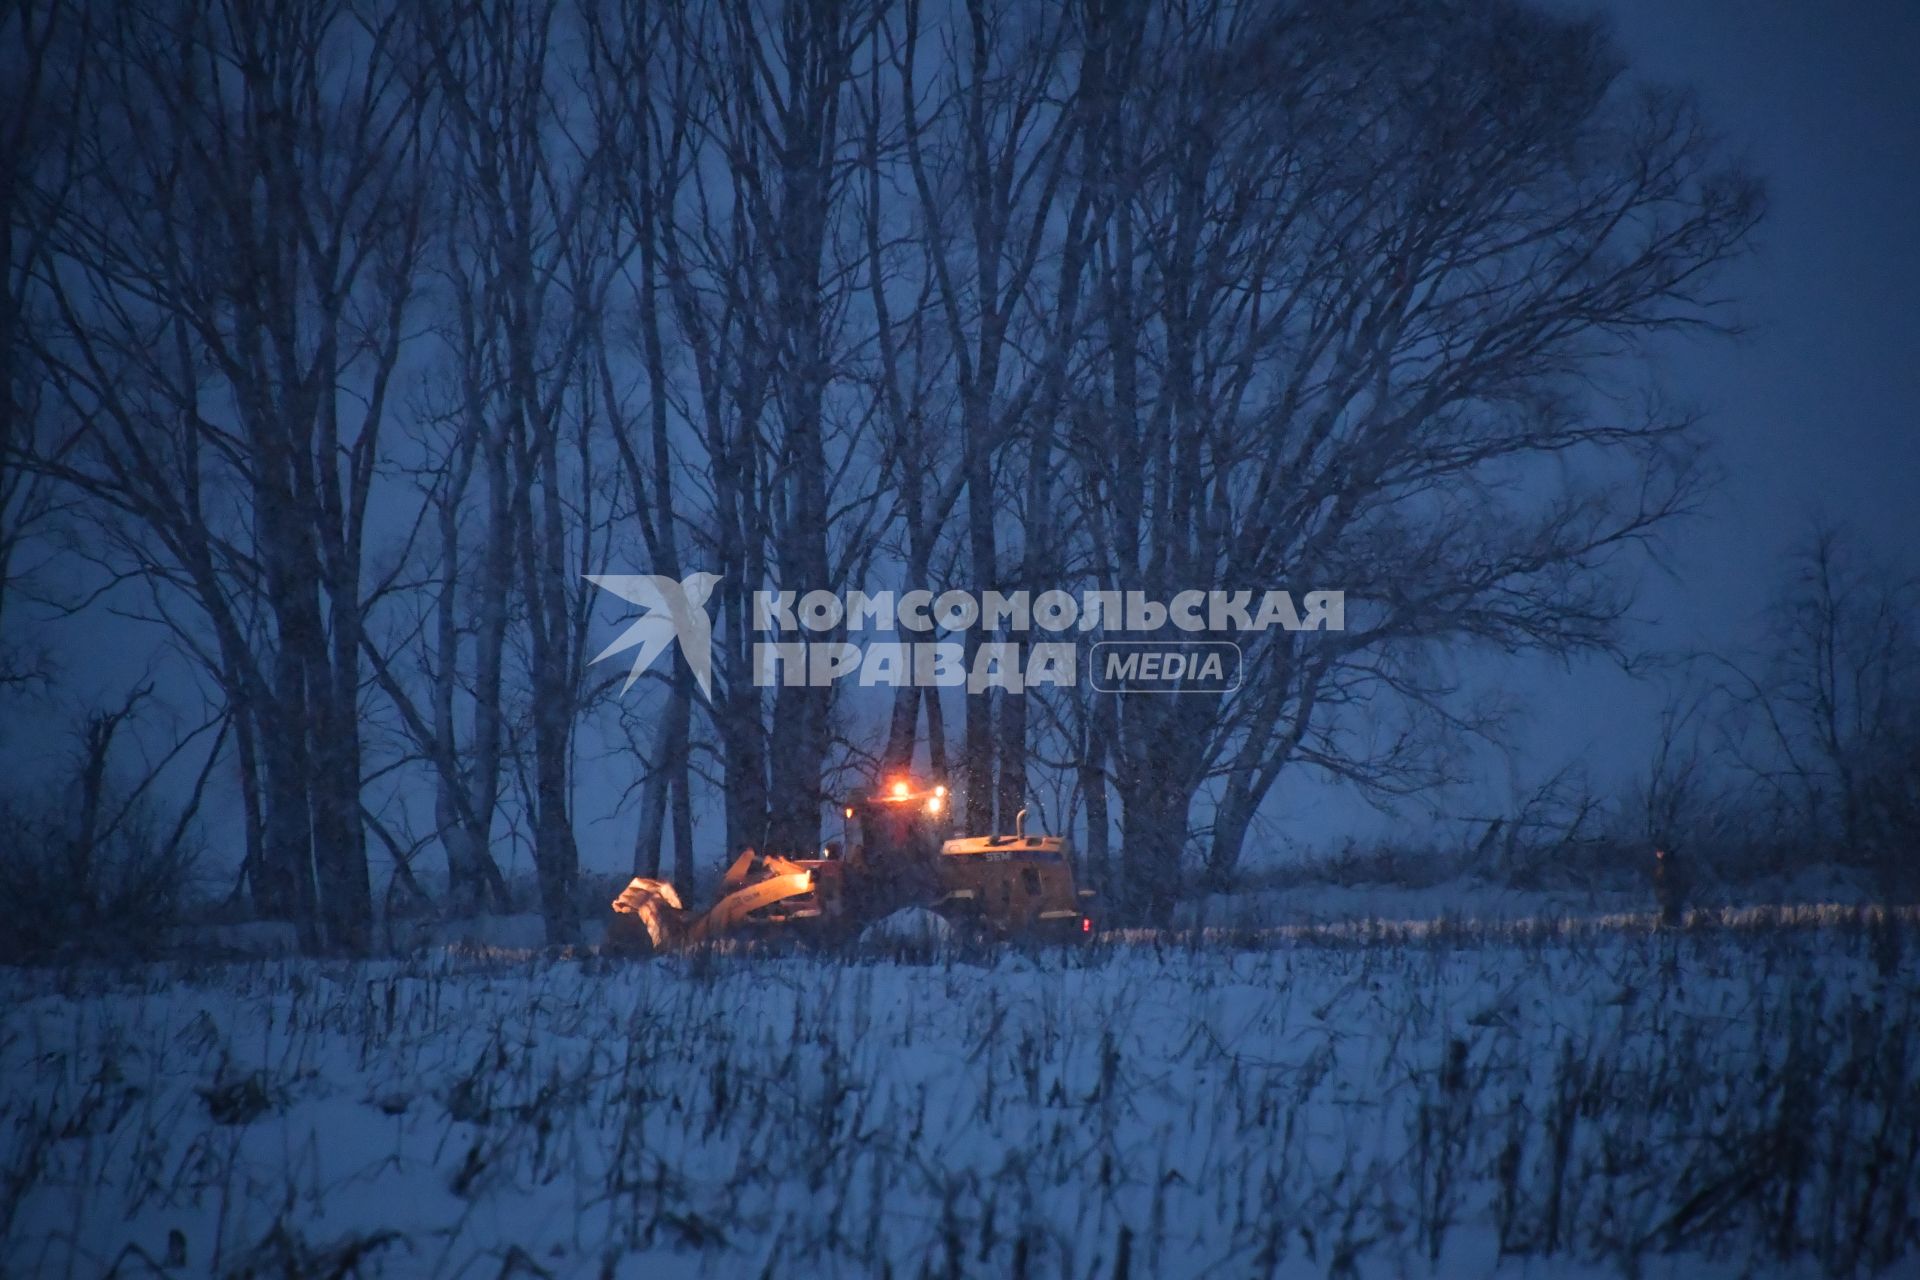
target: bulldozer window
1030 881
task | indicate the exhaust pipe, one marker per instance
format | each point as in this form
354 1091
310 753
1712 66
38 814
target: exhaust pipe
1020 824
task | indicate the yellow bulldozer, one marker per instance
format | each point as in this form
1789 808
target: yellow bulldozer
897 851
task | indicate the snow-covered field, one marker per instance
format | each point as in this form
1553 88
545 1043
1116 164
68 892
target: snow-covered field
1469 897
1726 1101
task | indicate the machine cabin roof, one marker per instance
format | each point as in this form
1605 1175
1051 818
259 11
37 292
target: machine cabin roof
1008 848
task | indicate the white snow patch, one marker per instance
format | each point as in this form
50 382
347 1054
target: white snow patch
909 926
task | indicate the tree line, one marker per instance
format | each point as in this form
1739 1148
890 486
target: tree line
345 337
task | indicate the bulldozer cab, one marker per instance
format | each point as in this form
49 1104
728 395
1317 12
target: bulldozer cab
892 845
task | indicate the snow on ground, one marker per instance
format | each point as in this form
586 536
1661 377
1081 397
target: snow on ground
1474 898
1462 899
1716 1102
910 928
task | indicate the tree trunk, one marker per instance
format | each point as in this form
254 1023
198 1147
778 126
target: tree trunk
283 883
684 869
937 763
1093 788
1153 817
653 804
976 760
1231 821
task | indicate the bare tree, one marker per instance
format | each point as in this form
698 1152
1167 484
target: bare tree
642 91
1674 792
1828 710
783 119
455 598
100 865
238 219
1350 312
756 251
989 163
528 259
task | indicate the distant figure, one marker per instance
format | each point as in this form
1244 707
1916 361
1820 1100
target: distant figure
1669 887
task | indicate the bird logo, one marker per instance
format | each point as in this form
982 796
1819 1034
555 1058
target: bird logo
670 610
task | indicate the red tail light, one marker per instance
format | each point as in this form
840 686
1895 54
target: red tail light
1086 924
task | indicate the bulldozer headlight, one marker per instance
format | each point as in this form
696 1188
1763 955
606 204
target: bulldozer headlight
901 790
935 804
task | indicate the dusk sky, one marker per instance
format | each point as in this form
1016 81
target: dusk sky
1814 409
